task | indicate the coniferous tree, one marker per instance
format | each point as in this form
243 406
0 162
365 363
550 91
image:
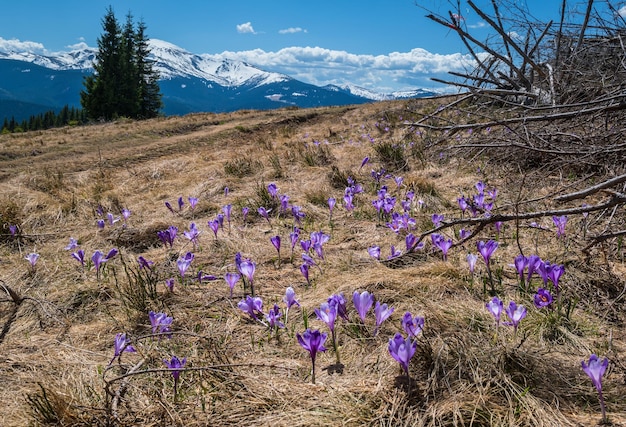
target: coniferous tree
149 91
124 82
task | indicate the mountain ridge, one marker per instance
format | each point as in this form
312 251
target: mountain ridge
189 83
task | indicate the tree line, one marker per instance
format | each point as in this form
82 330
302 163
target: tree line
67 116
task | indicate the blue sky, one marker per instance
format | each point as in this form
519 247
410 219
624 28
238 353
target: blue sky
379 44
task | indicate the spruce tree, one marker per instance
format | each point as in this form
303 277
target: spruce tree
149 91
124 82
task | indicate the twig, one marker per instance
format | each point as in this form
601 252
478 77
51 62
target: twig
591 190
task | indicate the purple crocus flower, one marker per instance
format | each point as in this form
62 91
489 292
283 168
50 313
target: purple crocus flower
193 234
542 298
276 242
347 199
227 212
251 305
284 203
516 313
327 313
413 326
244 213
464 234
214 225
532 264
596 369
183 263
304 269
110 255
181 203
168 236
97 258
382 313
298 215
264 213
170 284
231 279
247 269
293 237
471 260
272 189
331 205
495 307
126 214
112 219
560 222
160 323
402 350
121 345
305 245
72 245
79 256
32 259
437 219
442 243
544 268
169 207
555 274
366 159
193 202
13 230
144 263
100 223
520 264
313 342
339 301
410 241
394 253
462 201
374 251
290 298
175 365
362 303
273 318
486 249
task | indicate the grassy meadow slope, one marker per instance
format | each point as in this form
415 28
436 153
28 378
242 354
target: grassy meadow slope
58 321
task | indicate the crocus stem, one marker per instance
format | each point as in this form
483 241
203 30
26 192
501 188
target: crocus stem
602 406
175 389
335 348
313 371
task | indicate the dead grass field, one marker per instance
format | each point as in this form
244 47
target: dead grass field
58 327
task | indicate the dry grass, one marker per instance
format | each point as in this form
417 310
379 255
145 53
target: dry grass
57 336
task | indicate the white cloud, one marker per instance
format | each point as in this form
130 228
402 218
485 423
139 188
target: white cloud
478 25
78 46
292 30
320 66
21 46
245 28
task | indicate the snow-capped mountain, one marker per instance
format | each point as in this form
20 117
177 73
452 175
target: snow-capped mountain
35 82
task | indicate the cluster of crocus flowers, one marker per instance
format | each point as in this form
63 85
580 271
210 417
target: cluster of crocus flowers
481 202
168 235
443 244
514 312
527 266
160 324
402 350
